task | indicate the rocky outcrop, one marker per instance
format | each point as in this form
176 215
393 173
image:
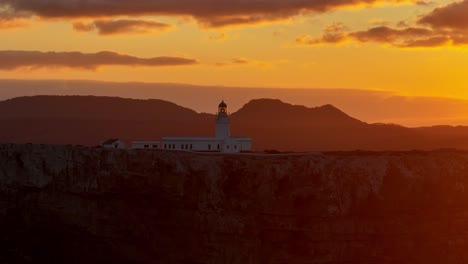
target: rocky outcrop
63 204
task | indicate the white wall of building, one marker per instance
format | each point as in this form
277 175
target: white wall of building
245 144
223 127
226 145
146 145
191 144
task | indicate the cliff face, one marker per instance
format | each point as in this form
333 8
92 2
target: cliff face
75 205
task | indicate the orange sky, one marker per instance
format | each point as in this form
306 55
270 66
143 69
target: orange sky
408 47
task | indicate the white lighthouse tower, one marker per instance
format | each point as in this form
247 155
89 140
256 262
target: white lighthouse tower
222 141
223 127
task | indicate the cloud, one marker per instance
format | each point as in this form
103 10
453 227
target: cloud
219 37
406 37
209 13
233 61
84 27
409 37
453 17
123 26
425 3
12 60
9 18
12 23
334 33
242 61
444 26
390 35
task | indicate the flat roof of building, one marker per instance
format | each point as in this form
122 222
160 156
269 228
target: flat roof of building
110 141
190 138
202 138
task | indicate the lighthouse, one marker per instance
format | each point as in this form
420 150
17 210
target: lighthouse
221 142
223 127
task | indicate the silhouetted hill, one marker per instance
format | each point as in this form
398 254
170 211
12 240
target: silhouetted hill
278 125
274 110
88 119
92 107
272 124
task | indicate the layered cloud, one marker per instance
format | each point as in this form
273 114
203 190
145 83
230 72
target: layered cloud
408 37
335 33
122 26
9 18
402 37
242 62
444 26
210 13
451 17
12 60
6 23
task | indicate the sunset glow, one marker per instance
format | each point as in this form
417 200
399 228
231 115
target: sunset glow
408 47
234 131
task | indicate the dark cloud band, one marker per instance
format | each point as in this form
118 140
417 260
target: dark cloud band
12 60
211 13
453 17
123 26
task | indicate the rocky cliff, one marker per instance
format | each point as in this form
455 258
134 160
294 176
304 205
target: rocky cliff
63 204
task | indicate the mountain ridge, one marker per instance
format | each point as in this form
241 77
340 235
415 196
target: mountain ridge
151 106
272 123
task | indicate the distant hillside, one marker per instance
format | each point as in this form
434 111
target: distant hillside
88 119
272 124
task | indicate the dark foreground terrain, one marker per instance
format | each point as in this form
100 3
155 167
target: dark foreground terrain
81 205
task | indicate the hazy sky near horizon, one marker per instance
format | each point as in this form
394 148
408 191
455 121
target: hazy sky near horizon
367 106
410 47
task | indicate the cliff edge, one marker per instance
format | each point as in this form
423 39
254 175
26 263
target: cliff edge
64 204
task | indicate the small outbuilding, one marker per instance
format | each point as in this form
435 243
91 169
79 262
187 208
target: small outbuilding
113 144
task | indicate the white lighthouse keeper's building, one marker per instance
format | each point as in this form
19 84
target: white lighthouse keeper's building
222 142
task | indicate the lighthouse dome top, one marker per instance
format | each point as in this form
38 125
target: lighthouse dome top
222 104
